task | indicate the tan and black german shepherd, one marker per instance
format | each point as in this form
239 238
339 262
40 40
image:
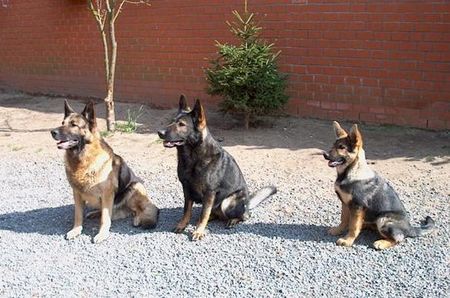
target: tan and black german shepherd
368 201
209 174
100 178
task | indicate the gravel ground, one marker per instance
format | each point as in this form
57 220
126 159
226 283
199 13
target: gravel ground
282 251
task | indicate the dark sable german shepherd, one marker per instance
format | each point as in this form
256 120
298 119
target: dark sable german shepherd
99 177
368 201
209 175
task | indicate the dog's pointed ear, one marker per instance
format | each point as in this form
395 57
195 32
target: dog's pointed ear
199 115
89 114
355 137
67 109
339 131
182 104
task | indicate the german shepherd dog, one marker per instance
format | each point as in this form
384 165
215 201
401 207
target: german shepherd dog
99 177
209 174
368 201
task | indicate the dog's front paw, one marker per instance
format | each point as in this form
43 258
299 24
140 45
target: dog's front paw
345 242
335 231
100 237
75 232
198 235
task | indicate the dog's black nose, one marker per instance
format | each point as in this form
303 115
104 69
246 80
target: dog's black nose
162 133
54 133
326 155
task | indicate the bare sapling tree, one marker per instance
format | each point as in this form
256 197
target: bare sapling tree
105 13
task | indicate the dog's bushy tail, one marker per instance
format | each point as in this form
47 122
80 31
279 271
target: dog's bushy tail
426 227
259 196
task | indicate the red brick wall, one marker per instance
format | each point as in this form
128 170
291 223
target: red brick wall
373 61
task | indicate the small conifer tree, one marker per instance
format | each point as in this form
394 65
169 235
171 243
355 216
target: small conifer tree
246 75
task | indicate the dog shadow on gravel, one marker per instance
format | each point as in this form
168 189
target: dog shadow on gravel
300 232
59 220
45 221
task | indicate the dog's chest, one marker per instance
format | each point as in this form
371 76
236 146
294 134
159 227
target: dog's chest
92 177
343 195
196 178
196 183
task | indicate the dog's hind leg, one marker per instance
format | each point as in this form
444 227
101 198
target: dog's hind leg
233 209
384 243
233 222
121 213
392 232
118 213
93 214
148 217
137 201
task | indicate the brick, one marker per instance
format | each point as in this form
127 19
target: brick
328 105
377 110
369 82
335 115
362 91
353 80
343 106
344 89
391 56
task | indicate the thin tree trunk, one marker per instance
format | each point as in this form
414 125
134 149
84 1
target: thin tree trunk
110 115
107 17
109 100
101 22
247 120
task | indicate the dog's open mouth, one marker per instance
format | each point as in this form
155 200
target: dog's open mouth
171 144
66 144
335 163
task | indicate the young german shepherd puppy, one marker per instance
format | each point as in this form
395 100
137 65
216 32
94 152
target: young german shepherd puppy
209 174
99 177
368 201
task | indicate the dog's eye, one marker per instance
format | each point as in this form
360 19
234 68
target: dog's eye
181 124
342 147
73 123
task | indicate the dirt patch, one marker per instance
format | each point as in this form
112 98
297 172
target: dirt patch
291 143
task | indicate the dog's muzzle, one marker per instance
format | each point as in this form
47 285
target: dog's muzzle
169 144
63 142
333 162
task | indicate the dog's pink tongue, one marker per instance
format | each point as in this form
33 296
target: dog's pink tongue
64 144
332 163
61 144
